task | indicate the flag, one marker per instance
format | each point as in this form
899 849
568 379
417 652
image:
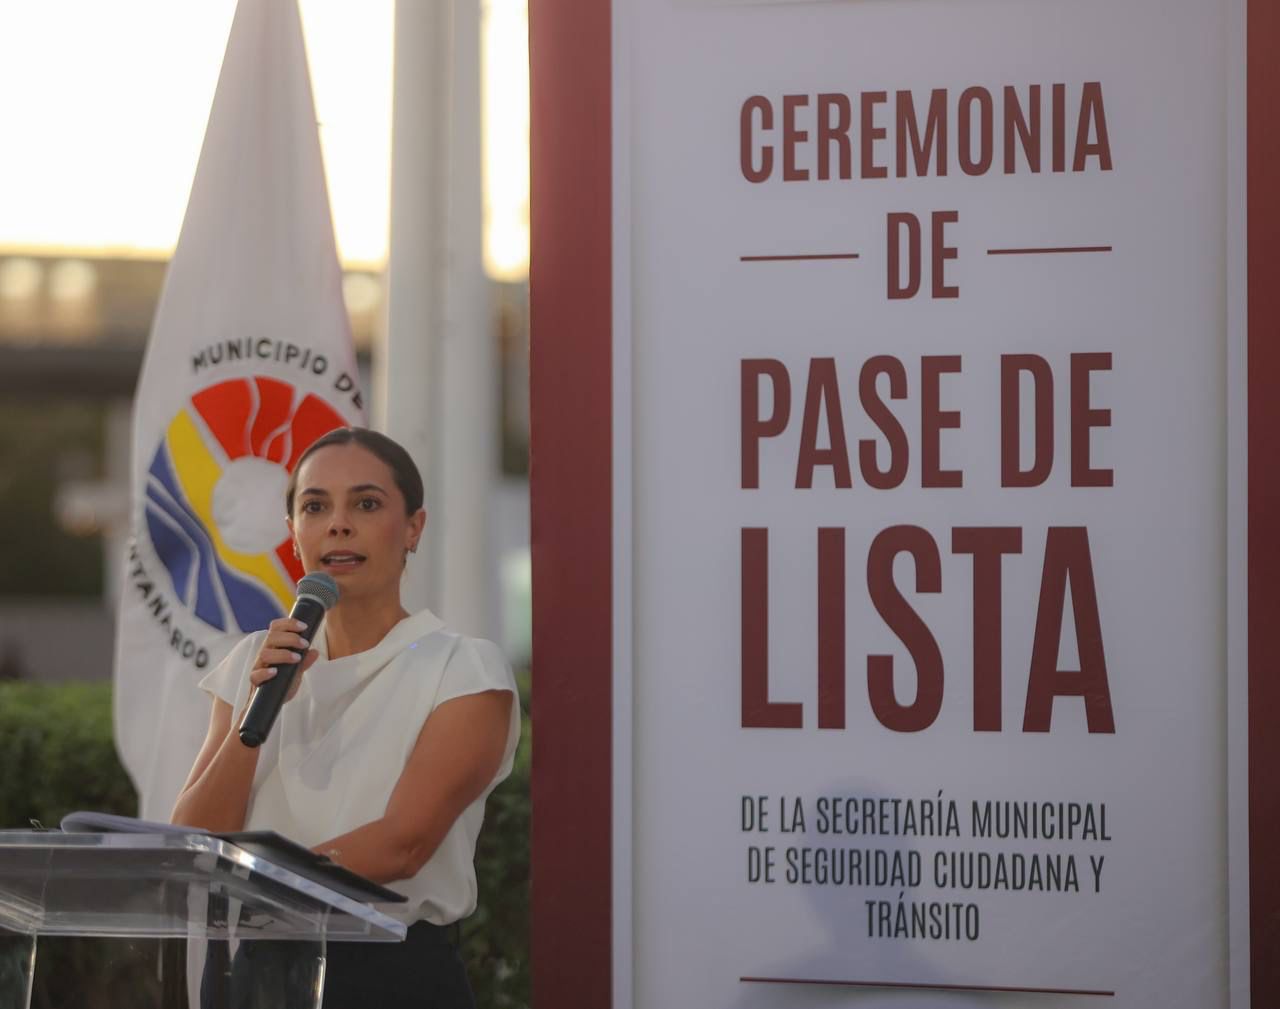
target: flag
250 359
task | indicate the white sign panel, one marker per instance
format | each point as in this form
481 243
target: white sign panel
922 328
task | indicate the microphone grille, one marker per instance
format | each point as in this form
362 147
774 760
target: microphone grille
320 587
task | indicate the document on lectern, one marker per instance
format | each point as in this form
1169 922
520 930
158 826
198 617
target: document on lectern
265 844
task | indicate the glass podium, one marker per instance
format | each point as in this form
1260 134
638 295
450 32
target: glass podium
251 932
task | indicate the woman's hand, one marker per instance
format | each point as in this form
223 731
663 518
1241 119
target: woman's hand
284 645
216 795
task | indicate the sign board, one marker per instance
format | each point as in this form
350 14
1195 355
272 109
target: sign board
896 353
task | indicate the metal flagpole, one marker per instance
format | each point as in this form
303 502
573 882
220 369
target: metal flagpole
434 371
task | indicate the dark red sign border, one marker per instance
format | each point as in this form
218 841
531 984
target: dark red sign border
1263 134
571 414
571 418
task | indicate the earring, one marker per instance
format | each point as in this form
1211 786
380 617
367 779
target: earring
297 554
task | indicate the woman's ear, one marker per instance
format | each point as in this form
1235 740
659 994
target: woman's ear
417 522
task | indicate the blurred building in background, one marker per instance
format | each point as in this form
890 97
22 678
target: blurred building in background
83 252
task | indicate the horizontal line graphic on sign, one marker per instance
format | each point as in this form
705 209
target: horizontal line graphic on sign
816 255
930 987
1037 252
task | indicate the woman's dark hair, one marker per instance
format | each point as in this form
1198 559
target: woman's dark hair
406 474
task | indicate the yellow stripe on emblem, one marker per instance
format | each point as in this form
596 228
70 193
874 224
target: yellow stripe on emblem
198 474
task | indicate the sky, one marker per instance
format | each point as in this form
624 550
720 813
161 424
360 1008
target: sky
105 104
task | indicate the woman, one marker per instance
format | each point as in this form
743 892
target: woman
394 732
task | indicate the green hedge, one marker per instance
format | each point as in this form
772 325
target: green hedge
57 755
496 937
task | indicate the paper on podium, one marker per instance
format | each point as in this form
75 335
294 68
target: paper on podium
265 844
86 822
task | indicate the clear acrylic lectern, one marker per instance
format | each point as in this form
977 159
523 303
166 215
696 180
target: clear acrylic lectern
211 892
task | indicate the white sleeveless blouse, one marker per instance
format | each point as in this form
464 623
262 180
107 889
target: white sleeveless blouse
338 748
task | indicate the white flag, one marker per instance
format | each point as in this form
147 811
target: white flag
250 360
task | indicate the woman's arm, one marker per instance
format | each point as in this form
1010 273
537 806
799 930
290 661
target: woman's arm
455 757
216 795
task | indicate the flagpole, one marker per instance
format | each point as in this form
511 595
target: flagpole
435 370
470 451
407 363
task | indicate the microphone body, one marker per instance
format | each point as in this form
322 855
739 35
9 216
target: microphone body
316 593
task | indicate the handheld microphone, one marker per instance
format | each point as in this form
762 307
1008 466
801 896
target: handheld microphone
316 593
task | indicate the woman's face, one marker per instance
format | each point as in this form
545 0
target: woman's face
349 521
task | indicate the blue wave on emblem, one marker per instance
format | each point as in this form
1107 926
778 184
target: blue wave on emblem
188 554
176 551
198 549
253 607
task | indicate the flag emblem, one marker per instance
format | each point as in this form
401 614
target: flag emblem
215 490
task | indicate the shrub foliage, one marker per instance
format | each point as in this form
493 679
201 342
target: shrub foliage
57 753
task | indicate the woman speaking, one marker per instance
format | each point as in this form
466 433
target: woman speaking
394 732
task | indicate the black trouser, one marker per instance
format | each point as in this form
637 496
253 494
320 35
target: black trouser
423 972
